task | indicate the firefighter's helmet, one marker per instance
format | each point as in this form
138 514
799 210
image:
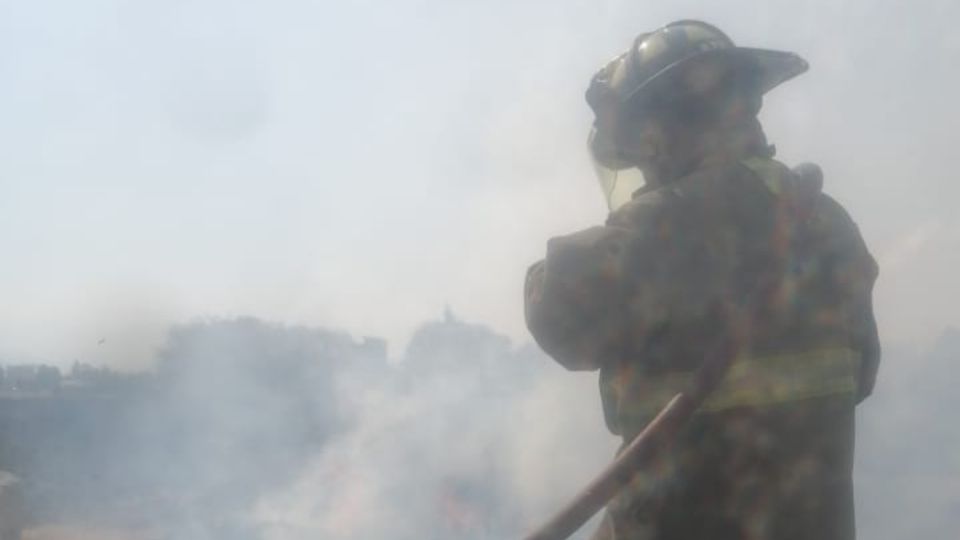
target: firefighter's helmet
680 60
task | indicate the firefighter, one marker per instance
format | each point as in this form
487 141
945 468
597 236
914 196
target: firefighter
704 222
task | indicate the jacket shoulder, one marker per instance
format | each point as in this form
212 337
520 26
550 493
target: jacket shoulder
729 187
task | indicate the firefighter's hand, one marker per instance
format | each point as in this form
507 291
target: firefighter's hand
574 298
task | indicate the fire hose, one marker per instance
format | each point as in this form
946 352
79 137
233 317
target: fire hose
655 437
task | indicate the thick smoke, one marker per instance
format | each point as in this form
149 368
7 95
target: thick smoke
470 439
908 445
251 430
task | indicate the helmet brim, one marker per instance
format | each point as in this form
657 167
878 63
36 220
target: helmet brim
768 67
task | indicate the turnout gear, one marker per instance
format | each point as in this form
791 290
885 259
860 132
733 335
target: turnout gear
635 300
630 288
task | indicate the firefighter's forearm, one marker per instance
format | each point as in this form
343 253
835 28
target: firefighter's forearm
574 335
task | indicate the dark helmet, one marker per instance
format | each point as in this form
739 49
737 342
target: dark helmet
650 71
649 65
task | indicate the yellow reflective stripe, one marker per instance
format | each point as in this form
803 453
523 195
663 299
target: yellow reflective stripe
788 377
755 381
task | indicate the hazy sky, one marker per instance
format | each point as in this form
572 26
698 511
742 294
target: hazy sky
359 165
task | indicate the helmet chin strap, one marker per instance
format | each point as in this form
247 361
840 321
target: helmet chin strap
658 155
683 150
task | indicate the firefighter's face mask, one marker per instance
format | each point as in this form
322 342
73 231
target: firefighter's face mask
619 149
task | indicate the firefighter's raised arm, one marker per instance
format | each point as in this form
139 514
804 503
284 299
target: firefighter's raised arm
573 297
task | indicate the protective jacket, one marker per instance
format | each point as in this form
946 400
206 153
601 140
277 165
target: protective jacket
641 299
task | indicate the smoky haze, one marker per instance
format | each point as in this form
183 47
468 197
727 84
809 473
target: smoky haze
255 430
171 170
360 165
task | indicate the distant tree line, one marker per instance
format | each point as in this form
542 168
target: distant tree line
81 379
30 378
